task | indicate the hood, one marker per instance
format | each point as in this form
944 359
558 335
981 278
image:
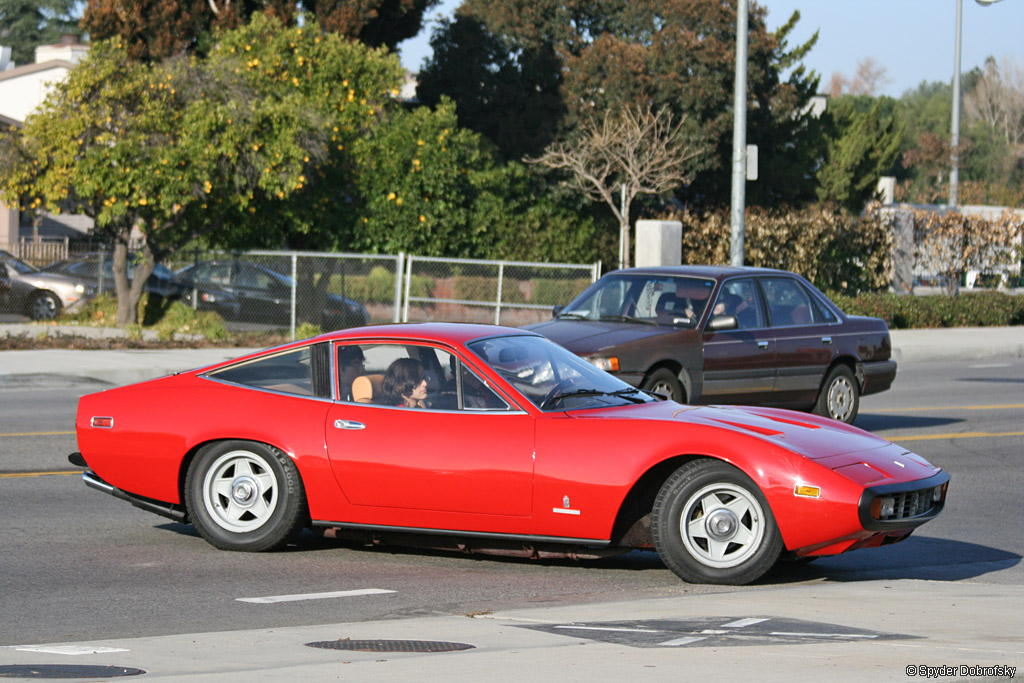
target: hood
44 280
584 337
852 452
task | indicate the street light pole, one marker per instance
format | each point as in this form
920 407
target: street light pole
739 137
954 140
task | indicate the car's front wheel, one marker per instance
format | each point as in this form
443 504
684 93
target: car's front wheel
44 306
664 382
243 495
839 397
711 524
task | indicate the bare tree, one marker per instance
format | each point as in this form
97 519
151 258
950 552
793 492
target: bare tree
998 99
633 151
869 79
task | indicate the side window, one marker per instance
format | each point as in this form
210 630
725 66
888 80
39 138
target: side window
411 375
476 395
290 372
739 298
790 304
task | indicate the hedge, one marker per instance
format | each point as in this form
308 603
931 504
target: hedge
976 309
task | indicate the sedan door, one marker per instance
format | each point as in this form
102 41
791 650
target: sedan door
806 339
739 363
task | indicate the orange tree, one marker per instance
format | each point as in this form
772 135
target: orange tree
249 143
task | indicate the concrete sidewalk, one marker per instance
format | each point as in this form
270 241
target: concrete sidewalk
864 631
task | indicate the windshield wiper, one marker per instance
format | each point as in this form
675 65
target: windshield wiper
594 392
631 390
627 319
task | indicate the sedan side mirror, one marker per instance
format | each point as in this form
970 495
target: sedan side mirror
556 310
723 322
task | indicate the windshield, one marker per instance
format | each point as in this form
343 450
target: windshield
643 298
16 265
553 378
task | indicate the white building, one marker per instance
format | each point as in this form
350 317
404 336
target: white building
22 90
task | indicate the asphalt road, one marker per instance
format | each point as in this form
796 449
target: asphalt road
77 565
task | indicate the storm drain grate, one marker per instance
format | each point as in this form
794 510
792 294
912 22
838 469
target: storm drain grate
390 645
65 671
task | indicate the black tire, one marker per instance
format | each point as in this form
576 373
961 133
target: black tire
663 381
746 543
43 306
839 397
243 495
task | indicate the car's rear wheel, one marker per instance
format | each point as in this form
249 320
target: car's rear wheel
839 397
663 381
243 495
711 524
44 306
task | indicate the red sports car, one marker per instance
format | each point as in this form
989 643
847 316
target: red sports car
493 438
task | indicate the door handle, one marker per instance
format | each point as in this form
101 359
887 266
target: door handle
762 345
826 340
348 424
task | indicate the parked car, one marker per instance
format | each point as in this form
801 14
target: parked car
29 291
521 446
163 282
265 295
709 334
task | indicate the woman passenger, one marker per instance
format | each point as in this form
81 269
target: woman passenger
404 385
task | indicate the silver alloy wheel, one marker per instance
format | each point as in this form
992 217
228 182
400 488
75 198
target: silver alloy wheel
663 388
722 525
840 398
240 491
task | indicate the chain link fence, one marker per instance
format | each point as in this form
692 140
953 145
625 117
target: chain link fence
267 290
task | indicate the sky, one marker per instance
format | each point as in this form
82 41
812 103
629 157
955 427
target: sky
912 39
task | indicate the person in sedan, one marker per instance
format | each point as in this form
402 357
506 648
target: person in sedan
351 364
404 385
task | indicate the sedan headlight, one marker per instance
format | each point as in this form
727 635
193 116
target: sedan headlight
607 364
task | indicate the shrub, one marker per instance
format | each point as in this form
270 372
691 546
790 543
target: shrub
469 288
378 287
550 292
981 309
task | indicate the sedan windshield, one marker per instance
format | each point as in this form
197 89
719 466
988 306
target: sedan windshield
553 378
643 298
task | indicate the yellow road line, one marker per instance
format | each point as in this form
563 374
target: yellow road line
20 475
959 435
36 433
1007 406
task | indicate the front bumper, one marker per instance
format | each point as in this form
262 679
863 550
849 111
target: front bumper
912 503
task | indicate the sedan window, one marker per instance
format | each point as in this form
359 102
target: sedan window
789 303
739 298
643 298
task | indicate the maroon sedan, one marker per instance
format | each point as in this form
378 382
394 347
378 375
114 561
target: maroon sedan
720 334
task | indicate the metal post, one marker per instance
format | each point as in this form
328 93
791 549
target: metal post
739 137
954 139
399 269
295 283
501 278
408 281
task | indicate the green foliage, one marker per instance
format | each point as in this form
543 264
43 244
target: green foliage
469 288
182 319
307 330
418 185
977 309
863 145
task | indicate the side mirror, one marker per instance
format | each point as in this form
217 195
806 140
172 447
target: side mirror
556 310
723 322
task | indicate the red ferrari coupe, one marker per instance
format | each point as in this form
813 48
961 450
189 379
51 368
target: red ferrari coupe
491 438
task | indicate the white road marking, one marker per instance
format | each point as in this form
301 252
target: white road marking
314 596
70 649
682 641
609 628
991 365
823 635
740 623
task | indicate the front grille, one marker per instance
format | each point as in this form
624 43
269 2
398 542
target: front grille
910 504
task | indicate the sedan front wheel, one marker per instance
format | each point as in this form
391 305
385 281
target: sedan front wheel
245 496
